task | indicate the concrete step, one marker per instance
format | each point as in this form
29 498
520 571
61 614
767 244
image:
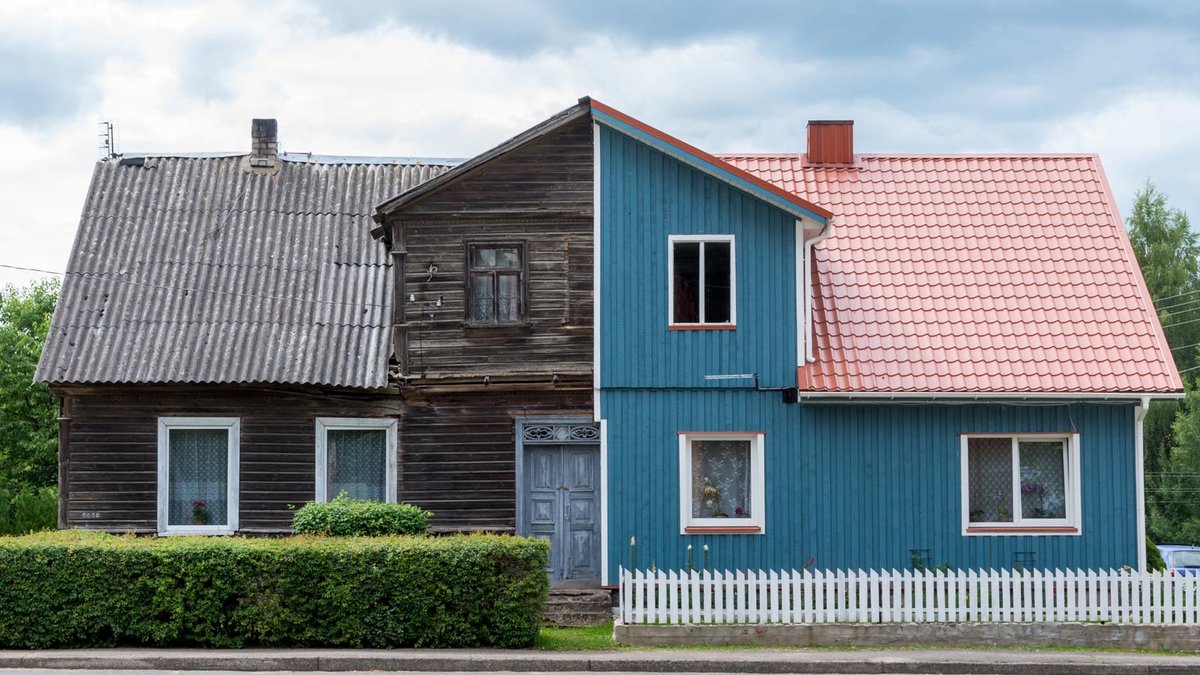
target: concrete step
578 607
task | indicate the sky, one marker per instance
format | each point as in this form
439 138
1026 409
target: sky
452 79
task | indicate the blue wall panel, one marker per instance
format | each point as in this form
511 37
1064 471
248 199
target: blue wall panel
647 196
857 485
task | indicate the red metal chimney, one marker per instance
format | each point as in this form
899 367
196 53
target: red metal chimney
831 142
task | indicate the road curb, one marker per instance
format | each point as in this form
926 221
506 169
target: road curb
837 662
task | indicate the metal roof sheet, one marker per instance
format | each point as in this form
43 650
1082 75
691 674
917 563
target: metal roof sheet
974 274
193 269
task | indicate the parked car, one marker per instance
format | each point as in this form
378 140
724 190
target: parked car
1183 560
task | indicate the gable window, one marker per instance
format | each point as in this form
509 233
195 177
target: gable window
198 475
702 281
356 456
495 283
721 482
1026 483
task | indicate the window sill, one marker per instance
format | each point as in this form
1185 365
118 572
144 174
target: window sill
722 529
487 326
702 326
1024 529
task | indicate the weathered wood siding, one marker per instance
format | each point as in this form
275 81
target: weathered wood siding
540 195
459 452
111 460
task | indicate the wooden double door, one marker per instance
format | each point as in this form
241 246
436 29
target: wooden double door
561 504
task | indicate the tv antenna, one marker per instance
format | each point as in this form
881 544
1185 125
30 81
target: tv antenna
108 140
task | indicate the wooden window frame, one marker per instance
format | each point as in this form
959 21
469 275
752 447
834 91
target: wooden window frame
1069 526
233 427
327 424
756 524
701 239
522 281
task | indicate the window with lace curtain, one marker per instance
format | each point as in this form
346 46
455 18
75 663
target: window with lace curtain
495 283
356 456
1020 483
721 482
198 475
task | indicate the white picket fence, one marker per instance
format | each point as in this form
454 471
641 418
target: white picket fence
781 597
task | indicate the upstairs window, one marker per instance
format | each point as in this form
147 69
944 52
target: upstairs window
702 282
495 283
1021 483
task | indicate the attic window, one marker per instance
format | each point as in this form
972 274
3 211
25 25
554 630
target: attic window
702 282
495 283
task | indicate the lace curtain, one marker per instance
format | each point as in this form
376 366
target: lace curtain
989 468
1043 480
721 479
357 465
198 477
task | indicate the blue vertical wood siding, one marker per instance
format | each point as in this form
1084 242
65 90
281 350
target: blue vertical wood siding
857 485
647 196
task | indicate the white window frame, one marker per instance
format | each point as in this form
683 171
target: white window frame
233 427
690 525
326 424
701 239
1069 526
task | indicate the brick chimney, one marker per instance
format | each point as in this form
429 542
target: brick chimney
831 142
264 144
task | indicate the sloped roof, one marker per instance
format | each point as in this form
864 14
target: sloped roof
192 269
989 274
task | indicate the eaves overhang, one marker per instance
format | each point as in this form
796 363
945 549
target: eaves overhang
707 163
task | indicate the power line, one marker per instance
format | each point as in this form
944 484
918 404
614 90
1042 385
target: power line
188 289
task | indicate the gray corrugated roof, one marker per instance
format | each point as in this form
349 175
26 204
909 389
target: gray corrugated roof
191 269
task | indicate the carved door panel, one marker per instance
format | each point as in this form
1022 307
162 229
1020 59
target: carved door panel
562 506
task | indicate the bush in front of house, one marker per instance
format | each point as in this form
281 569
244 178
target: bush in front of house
1154 559
27 509
89 589
346 517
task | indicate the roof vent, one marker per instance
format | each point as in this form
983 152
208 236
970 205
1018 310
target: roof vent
831 142
264 144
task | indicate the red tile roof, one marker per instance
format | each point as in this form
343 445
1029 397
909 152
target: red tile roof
963 274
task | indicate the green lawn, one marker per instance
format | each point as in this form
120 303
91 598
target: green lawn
590 639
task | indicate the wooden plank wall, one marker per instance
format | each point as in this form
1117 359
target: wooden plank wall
459 452
113 453
540 195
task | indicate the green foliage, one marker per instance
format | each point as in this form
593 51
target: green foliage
28 430
346 517
88 589
1154 559
1175 512
25 510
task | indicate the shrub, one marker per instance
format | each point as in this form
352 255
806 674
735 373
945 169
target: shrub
1154 559
89 589
346 517
25 510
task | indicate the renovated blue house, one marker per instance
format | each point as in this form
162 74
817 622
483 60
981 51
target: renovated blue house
857 361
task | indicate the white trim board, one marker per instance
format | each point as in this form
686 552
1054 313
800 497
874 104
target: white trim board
233 427
326 424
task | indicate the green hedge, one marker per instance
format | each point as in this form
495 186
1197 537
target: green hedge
87 589
27 510
346 517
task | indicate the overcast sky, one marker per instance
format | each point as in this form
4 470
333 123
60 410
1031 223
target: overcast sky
450 79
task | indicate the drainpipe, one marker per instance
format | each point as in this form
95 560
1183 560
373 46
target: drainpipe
1139 415
825 233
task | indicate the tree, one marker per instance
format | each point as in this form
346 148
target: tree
28 411
1168 253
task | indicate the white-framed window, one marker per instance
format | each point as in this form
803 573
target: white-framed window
721 483
701 281
198 475
1023 483
356 456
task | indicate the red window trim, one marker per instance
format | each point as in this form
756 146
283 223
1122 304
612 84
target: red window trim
1048 529
722 529
702 326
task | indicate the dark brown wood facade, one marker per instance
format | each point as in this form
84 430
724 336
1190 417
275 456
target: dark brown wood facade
459 388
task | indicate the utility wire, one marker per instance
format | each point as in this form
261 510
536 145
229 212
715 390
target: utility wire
187 289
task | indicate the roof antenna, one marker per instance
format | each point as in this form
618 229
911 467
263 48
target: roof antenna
108 140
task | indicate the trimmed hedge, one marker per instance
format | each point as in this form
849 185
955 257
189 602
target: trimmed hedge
346 517
89 589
